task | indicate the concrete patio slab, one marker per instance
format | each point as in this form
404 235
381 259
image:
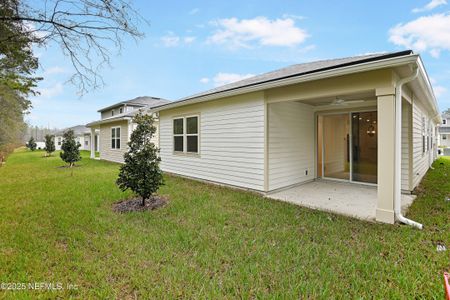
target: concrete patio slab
350 199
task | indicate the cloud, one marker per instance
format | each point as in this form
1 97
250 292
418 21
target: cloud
170 40
430 6
52 91
173 40
225 78
428 33
194 11
189 39
237 33
296 17
54 70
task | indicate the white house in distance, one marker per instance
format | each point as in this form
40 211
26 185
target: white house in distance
82 136
444 131
115 126
333 134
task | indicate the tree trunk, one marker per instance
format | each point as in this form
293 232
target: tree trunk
143 201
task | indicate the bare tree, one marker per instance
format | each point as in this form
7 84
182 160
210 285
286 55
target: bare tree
86 31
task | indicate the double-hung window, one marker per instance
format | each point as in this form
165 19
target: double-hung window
186 134
115 138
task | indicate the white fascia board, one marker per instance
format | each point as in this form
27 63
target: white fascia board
92 124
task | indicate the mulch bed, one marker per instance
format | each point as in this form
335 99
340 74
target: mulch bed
135 204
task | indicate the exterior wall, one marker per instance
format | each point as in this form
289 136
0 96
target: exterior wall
127 108
231 139
106 152
40 145
80 139
57 146
290 144
406 135
420 160
87 142
444 139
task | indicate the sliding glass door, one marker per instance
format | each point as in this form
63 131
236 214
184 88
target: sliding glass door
347 146
364 147
336 146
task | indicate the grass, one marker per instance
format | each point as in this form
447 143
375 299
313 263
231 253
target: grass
208 242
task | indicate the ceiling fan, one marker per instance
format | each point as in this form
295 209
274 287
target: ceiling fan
342 102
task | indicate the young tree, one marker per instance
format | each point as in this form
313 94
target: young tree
31 144
140 172
49 144
70 148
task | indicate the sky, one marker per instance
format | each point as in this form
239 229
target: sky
192 46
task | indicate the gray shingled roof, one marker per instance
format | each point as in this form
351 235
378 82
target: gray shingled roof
78 130
298 70
149 102
139 101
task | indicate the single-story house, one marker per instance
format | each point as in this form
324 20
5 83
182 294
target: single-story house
364 126
444 131
115 126
40 145
82 136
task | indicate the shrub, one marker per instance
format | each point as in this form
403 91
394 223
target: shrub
49 144
31 144
140 172
70 148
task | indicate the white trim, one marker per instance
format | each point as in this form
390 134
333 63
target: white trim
185 135
116 138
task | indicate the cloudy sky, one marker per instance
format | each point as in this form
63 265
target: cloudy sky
191 46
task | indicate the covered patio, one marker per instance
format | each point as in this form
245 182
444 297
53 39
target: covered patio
350 199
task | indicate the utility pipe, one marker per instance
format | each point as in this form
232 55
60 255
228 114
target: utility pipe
398 150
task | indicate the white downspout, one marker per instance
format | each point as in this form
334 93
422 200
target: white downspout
398 150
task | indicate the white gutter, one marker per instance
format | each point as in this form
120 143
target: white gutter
398 150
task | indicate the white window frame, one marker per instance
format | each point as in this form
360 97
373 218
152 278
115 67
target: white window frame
185 134
59 141
424 139
116 138
121 110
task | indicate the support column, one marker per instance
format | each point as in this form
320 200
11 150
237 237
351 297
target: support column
386 154
92 142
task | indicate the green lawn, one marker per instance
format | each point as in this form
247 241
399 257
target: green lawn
208 242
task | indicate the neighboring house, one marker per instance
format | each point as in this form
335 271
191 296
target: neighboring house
115 126
333 119
82 136
444 131
40 145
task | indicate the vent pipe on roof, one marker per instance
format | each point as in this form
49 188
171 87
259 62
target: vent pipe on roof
398 150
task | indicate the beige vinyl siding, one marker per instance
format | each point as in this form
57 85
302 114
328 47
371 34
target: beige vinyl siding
106 152
420 159
291 144
406 135
155 138
108 113
231 139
